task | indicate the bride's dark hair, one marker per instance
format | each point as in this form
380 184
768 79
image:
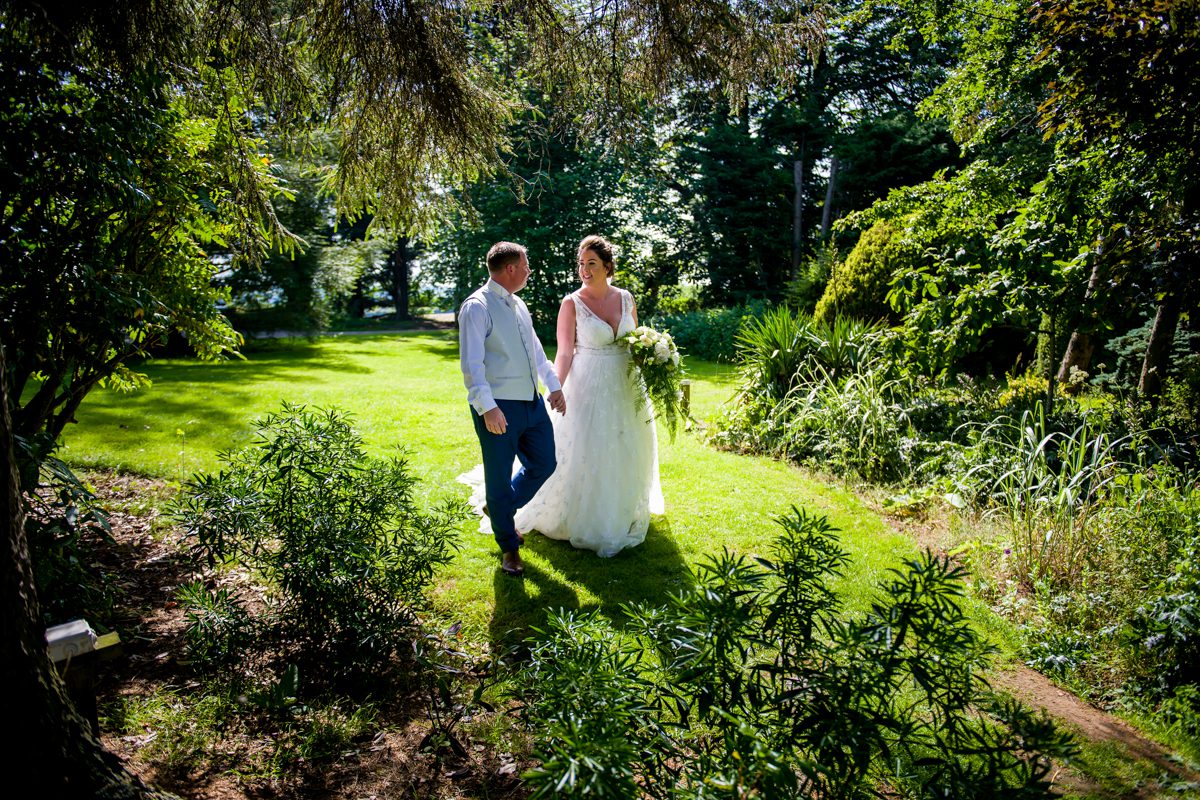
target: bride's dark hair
601 247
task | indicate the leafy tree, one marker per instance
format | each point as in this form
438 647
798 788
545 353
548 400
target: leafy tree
739 171
1128 80
104 227
131 140
285 289
558 190
739 199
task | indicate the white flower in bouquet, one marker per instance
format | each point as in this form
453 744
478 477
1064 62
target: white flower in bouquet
654 364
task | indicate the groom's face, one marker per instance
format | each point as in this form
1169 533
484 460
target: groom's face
520 273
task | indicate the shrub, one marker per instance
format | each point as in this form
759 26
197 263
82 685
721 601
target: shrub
1121 368
338 535
1049 486
219 628
710 334
821 393
805 290
756 682
858 287
66 531
1179 406
1166 628
857 427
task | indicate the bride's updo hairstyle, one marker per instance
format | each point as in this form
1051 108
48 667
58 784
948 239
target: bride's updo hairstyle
602 248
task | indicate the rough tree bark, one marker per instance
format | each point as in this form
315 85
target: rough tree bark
51 751
830 189
400 267
798 208
1080 347
1158 349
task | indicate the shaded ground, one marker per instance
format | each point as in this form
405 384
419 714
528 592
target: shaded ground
151 563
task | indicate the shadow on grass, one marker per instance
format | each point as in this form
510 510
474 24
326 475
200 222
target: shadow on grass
446 348
645 574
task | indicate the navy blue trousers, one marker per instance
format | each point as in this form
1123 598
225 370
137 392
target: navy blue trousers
529 438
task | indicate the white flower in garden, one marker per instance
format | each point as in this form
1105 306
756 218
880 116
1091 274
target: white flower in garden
661 352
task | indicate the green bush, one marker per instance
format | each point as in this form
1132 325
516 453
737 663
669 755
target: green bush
855 427
858 287
219 627
338 536
824 394
1165 629
805 290
755 682
1120 362
710 334
67 533
1179 406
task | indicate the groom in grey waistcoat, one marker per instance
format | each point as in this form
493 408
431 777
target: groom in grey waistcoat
502 360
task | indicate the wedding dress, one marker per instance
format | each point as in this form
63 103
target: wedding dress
606 484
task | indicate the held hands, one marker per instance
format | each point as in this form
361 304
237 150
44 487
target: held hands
494 421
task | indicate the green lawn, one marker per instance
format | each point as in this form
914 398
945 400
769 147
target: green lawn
406 391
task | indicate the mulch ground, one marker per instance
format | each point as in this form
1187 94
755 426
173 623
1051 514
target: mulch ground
149 563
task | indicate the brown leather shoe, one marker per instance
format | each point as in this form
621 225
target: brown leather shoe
512 564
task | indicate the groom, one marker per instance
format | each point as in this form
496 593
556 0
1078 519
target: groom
501 361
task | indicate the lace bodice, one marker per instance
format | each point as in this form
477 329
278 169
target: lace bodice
594 334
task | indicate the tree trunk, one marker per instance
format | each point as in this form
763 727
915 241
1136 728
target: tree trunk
1079 353
1158 349
827 212
52 752
400 267
798 209
1080 348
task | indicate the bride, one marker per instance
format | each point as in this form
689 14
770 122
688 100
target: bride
606 485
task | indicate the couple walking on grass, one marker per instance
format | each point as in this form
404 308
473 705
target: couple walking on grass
586 470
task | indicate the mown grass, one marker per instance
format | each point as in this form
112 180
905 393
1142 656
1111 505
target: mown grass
405 391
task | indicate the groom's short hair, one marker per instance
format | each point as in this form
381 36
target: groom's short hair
502 254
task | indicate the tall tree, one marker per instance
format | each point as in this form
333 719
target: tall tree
1128 79
131 144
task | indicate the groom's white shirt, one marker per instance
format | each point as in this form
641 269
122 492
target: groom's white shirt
495 333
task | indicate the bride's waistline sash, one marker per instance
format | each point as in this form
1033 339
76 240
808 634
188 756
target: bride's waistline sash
610 350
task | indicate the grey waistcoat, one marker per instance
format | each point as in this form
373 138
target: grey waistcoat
507 359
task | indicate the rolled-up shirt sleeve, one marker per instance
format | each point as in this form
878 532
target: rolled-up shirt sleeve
472 330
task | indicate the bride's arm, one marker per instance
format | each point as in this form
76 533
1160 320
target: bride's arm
633 309
566 340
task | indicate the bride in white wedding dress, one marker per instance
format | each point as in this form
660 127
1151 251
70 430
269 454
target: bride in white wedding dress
606 484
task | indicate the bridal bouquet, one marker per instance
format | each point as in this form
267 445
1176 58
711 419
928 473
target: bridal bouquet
654 360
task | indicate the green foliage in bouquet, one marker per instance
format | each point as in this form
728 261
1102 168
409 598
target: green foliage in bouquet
655 362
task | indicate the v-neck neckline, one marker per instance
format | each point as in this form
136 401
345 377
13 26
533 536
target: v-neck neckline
608 324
